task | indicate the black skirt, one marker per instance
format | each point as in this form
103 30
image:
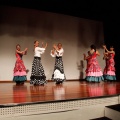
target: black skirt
37 75
58 74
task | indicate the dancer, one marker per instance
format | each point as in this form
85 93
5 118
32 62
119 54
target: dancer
58 74
105 57
109 69
19 69
93 71
38 76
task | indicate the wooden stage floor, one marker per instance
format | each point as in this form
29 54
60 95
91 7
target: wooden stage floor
22 94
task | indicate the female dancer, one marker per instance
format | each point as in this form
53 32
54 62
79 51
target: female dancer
58 74
93 71
38 76
110 69
105 57
19 69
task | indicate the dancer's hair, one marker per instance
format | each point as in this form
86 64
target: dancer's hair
93 47
18 45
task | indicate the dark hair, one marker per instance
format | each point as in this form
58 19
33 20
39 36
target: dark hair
111 47
60 44
35 41
93 47
18 45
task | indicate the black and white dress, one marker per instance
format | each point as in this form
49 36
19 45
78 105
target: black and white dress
37 75
58 75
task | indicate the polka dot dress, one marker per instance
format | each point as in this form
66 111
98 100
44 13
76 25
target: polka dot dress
37 75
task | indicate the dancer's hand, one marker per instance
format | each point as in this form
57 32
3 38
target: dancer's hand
42 44
104 46
26 49
23 52
46 45
54 46
53 51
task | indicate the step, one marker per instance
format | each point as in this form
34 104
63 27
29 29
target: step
115 107
113 112
101 118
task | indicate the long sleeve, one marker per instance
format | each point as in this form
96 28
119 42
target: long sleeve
57 53
53 55
39 51
60 52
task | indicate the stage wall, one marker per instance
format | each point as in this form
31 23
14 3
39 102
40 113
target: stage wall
24 26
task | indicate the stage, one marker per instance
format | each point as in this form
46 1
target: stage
73 97
12 94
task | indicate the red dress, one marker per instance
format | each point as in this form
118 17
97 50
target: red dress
19 69
93 71
109 70
111 63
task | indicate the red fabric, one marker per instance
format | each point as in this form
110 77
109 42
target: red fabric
19 65
110 63
92 64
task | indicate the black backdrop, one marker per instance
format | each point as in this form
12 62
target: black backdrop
112 37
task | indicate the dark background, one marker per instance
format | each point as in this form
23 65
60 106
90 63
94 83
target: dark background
107 12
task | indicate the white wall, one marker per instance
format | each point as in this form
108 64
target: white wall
24 26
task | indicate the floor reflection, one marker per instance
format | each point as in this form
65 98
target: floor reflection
95 89
59 92
10 93
20 93
111 88
37 93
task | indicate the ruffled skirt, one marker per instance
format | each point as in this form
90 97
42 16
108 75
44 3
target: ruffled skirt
19 72
58 75
37 75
